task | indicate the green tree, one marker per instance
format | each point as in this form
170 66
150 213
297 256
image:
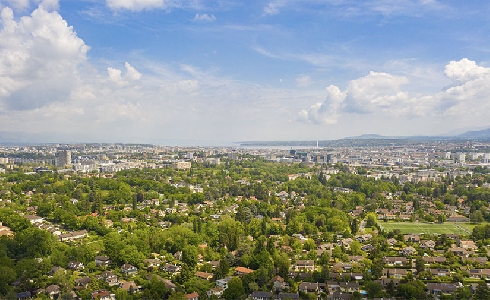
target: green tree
373 289
482 292
189 256
235 289
222 269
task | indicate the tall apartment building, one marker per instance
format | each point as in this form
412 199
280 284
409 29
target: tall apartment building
63 158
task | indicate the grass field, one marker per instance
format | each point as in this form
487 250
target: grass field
416 227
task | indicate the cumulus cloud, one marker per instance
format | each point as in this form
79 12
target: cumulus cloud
39 58
135 4
115 75
382 94
465 70
327 112
204 17
374 91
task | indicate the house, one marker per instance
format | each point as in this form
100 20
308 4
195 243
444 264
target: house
152 262
109 278
434 259
367 247
441 288
411 238
292 296
479 273
214 263
128 285
71 236
34 219
391 242
171 268
395 261
75 265
129 269
458 251
217 291
349 287
395 273
430 244
278 284
102 295
23 296
408 251
83 282
223 282
470 245
385 281
261 296
243 271
476 260
204 275
192 296
308 265
53 291
102 261
440 272
308 287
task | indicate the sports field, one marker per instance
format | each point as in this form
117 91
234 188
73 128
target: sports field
419 227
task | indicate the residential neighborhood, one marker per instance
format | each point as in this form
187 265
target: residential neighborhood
245 224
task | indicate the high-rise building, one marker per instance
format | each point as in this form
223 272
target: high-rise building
232 155
63 158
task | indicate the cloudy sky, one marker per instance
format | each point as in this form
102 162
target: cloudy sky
219 71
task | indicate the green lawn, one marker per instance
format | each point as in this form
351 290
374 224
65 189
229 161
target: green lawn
419 227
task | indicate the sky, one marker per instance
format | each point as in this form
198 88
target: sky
211 72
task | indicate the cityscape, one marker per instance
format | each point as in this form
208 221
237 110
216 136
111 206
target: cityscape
396 220
244 150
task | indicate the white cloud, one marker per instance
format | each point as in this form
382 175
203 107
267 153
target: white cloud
115 75
374 91
135 4
204 17
39 57
327 112
273 7
131 72
381 94
465 70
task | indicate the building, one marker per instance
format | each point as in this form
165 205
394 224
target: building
63 158
232 155
182 165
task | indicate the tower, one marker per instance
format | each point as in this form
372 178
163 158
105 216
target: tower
63 158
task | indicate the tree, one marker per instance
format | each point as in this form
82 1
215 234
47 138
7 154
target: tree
476 216
235 289
189 255
373 289
222 269
355 247
419 264
482 292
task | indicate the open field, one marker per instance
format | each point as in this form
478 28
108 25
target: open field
419 227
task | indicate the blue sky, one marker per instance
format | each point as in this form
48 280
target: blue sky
220 71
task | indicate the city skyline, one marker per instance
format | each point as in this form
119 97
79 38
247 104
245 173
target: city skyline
217 72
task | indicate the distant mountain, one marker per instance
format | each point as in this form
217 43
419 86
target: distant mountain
478 134
371 136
